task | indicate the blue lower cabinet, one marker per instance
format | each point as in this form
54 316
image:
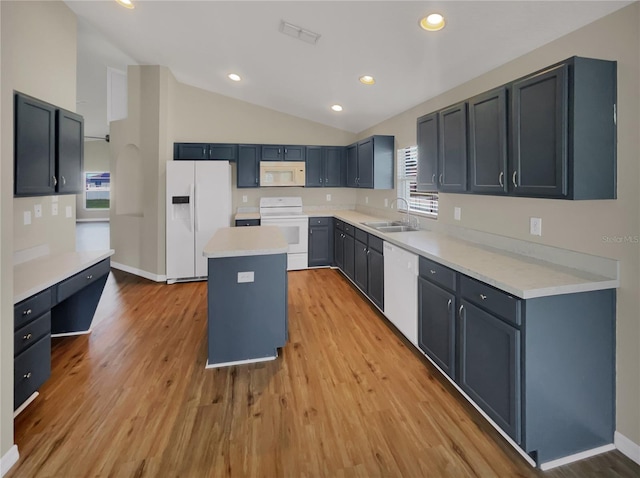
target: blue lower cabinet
31 369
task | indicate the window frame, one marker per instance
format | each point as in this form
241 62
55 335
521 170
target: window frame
85 190
406 185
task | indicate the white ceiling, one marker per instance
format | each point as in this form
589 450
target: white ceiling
202 41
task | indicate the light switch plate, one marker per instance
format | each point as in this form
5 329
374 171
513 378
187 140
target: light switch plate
457 213
328 197
37 210
386 202
366 199
68 211
27 218
245 277
54 198
54 209
535 226
244 198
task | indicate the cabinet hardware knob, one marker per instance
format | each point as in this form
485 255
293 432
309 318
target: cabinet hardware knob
513 179
64 181
26 337
449 305
320 180
89 277
483 297
440 178
26 312
433 178
310 231
326 180
204 151
27 375
460 311
368 251
210 152
432 271
55 181
285 150
500 179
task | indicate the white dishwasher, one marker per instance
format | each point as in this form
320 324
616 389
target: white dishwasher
401 290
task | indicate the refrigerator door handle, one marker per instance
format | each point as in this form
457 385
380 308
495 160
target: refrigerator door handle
192 192
196 209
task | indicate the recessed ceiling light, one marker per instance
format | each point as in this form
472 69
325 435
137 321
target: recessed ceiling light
126 3
234 77
367 80
432 22
336 108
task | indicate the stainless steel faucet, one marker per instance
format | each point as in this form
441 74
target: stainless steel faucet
408 214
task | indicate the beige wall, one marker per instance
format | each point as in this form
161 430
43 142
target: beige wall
575 225
38 58
97 157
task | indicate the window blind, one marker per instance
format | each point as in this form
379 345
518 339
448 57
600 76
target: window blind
426 203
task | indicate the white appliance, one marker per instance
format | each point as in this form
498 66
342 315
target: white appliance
282 173
198 204
401 290
286 213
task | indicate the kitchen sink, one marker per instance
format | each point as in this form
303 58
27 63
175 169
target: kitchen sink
377 224
395 228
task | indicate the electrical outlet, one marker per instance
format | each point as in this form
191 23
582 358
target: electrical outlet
535 226
27 218
37 209
245 277
457 213
386 202
244 198
54 209
328 197
54 198
366 199
68 211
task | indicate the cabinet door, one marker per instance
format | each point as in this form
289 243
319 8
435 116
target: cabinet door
270 152
349 258
539 108
436 325
488 142
223 152
352 166
314 168
375 278
294 153
191 151
334 167
338 249
319 246
365 163
427 137
248 166
361 270
490 366
34 147
452 155
69 152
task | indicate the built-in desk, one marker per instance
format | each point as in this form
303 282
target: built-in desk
54 295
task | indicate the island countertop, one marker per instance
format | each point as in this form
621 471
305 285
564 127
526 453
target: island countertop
246 241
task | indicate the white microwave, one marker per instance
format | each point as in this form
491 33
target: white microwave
282 173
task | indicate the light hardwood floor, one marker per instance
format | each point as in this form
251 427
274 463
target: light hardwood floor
347 397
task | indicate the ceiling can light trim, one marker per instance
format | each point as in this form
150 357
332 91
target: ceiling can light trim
234 77
126 4
299 33
337 108
432 22
367 80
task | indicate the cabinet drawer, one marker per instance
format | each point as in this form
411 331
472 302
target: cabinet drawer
318 221
361 235
73 284
348 229
491 299
31 369
438 274
29 309
31 333
376 243
339 225
247 222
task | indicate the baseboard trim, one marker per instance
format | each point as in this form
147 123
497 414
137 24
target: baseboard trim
139 272
240 362
72 334
9 459
93 219
26 403
565 460
627 447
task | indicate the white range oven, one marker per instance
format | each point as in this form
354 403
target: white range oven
286 213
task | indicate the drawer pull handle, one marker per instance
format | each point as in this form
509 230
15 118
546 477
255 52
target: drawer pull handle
26 312
460 311
513 179
483 297
449 305
27 375
432 271
27 337
90 276
500 179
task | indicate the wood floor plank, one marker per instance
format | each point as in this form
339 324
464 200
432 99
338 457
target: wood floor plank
347 397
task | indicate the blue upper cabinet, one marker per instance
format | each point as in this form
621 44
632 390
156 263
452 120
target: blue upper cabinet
427 140
370 163
205 151
452 152
69 152
273 152
325 166
248 167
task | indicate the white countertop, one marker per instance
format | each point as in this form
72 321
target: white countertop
516 274
38 274
246 241
245 216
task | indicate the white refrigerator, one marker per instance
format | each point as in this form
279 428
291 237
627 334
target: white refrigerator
198 204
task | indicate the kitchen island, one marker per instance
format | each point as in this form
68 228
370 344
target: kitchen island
246 295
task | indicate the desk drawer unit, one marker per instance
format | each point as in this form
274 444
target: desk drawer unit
82 279
27 310
31 333
31 369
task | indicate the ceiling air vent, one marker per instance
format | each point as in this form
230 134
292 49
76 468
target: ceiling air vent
299 32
